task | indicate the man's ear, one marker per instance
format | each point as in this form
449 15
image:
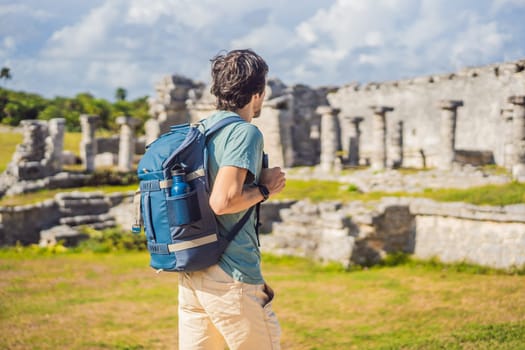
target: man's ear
258 96
255 98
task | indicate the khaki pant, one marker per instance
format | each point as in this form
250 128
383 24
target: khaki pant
215 311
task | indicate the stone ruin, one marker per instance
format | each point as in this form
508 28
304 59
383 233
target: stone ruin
37 162
444 122
40 154
475 117
450 123
119 151
363 233
169 105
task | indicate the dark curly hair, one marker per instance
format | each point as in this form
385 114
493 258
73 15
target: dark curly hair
236 77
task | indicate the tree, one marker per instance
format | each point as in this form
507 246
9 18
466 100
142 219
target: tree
120 94
5 73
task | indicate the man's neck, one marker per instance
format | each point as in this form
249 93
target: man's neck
246 112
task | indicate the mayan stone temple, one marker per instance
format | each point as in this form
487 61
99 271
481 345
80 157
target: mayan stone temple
475 116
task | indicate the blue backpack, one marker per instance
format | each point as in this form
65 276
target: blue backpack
181 230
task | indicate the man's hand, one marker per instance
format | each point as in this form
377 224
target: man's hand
273 179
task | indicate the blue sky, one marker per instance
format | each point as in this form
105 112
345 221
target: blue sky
63 47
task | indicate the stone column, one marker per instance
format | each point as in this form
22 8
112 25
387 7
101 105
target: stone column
88 144
126 148
29 160
508 144
329 136
277 125
518 137
378 161
355 136
396 152
448 132
33 147
56 132
152 129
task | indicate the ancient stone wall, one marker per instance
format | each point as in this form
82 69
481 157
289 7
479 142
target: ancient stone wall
363 233
491 236
61 217
290 124
473 116
484 92
288 120
169 105
24 223
353 233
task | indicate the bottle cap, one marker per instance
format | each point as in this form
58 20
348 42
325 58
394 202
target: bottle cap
177 171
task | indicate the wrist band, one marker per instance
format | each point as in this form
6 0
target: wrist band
264 191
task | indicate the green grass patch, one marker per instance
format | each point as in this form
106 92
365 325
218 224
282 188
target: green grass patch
510 193
42 195
8 142
317 190
72 142
115 301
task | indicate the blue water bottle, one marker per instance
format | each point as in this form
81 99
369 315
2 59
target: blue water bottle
179 185
179 188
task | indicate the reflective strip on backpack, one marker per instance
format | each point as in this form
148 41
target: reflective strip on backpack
193 243
154 185
137 211
193 175
165 183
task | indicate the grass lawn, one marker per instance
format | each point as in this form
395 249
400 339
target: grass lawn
8 142
321 190
115 301
42 195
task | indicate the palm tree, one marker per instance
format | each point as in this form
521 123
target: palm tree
5 73
121 94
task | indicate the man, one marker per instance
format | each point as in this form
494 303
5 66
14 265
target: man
229 303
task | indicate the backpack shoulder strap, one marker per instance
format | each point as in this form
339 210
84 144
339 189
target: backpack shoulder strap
239 225
208 133
221 124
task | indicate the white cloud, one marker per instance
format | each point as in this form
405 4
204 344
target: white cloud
263 38
415 37
7 46
115 73
145 11
9 42
369 59
86 37
102 44
498 5
24 10
478 42
374 39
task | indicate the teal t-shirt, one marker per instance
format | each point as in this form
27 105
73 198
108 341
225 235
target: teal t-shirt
240 145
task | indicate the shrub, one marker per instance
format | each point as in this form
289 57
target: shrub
112 239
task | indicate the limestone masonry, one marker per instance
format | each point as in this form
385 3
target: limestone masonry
475 116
